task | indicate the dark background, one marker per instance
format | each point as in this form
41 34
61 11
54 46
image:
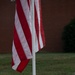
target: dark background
56 14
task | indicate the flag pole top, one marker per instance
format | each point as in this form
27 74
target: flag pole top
12 0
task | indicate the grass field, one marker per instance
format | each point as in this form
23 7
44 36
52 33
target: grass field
47 64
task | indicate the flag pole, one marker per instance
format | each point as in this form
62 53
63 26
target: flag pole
33 39
12 0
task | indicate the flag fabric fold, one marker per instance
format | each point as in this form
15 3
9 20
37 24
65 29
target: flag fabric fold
22 41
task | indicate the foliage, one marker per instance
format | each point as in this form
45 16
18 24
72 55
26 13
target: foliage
68 37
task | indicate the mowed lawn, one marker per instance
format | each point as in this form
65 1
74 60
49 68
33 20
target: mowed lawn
47 64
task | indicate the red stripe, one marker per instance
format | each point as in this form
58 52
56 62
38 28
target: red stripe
28 2
22 65
18 46
42 34
24 24
12 62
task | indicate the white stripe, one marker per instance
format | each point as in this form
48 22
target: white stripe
22 37
40 40
38 13
15 58
27 12
36 44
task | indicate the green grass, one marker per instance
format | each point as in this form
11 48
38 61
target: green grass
47 64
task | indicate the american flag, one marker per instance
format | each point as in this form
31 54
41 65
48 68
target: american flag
22 42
